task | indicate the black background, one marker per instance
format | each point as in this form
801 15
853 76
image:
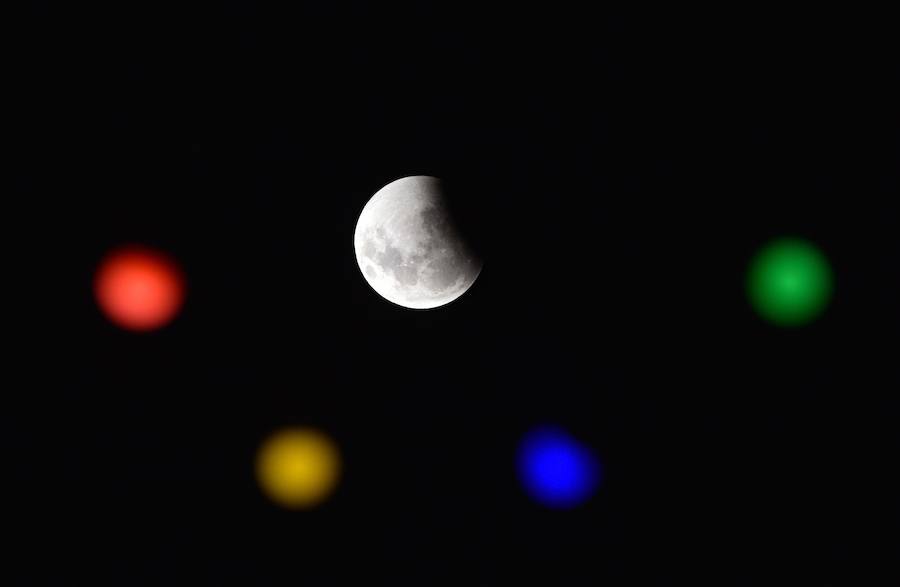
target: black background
617 169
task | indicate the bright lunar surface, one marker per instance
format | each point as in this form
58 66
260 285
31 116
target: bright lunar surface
408 247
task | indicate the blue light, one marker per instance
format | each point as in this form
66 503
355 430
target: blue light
555 469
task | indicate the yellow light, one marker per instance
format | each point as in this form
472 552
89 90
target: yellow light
298 468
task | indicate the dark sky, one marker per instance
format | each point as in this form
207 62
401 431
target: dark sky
618 170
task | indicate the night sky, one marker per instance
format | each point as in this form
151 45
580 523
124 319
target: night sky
617 170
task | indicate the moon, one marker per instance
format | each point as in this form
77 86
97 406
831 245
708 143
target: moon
409 248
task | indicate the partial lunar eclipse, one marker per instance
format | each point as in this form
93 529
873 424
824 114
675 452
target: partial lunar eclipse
409 248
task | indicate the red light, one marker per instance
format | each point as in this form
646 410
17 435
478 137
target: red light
139 289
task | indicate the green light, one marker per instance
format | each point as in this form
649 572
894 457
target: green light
789 282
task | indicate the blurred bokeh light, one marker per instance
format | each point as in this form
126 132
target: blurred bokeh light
138 288
789 282
298 468
555 469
